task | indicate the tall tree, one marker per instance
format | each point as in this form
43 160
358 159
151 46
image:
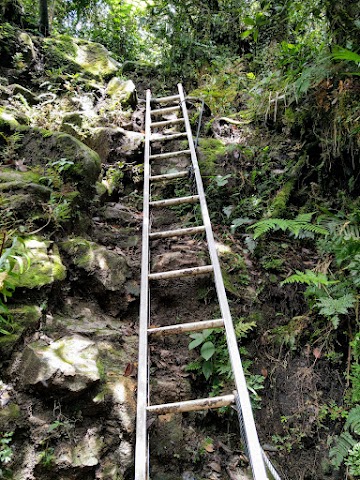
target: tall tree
44 18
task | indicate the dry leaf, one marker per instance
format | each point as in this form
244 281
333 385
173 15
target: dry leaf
209 448
317 352
215 466
129 370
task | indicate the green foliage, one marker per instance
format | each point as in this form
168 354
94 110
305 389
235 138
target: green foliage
214 363
302 223
333 307
12 264
309 278
6 452
341 449
346 448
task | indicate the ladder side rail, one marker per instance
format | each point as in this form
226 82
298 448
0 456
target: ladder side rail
255 454
141 448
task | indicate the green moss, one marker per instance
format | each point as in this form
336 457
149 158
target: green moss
279 204
210 150
7 119
11 412
79 55
46 266
7 344
26 315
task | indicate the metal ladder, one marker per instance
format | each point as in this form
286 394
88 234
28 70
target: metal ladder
241 395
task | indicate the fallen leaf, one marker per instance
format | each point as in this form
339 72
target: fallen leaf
215 466
317 352
209 448
264 372
129 370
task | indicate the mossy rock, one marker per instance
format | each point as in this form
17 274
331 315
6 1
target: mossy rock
7 119
113 144
122 91
29 96
46 266
210 151
45 149
68 365
79 55
108 268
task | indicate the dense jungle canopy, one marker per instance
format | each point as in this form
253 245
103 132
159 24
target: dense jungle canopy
279 153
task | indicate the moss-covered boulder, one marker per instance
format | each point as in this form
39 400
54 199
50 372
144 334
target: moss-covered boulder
122 91
7 119
64 155
85 453
79 55
45 262
27 94
116 144
108 268
68 365
22 318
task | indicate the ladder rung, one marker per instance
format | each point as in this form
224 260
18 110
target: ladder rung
185 272
192 405
164 111
159 156
169 176
187 327
171 98
174 201
166 122
177 233
162 138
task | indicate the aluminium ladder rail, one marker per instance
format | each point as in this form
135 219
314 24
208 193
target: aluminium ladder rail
241 395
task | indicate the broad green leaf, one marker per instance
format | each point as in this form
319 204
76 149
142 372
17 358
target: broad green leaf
207 350
207 369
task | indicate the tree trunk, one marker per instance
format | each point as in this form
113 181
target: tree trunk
44 18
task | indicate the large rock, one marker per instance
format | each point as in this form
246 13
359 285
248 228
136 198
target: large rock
122 91
80 55
46 266
84 164
108 268
67 365
115 144
86 452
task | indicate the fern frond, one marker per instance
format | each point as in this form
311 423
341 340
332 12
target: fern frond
301 223
353 420
335 306
308 278
340 450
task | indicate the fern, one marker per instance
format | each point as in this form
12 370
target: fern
333 307
353 420
345 442
345 54
309 278
340 450
302 223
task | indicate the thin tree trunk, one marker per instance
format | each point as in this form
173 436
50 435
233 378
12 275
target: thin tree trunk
44 18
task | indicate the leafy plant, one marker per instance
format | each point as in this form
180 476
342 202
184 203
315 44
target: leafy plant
302 223
346 448
214 363
6 452
12 264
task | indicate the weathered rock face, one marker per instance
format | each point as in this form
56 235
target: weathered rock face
80 55
108 268
83 167
45 267
67 365
86 453
122 91
115 144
